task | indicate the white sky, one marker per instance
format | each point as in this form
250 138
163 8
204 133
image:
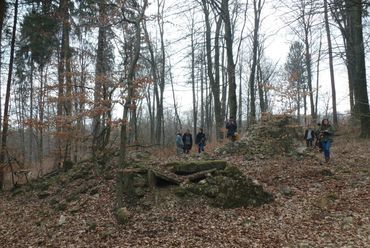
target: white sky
277 47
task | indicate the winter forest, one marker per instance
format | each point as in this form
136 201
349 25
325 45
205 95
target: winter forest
95 80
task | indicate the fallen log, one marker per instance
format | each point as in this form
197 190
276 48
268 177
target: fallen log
191 167
200 175
165 176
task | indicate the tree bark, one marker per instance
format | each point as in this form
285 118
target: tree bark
215 85
257 5
331 67
230 58
128 102
7 96
2 17
357 62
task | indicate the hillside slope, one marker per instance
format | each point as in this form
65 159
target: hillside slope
315 205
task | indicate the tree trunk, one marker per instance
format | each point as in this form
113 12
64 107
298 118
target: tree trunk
160 116
257 5
308 62
154 73
331 67
30 127
7 96
195 112
100 130
214 84
230 59
178 125
317 79
356 48
2 17
128 104
41 121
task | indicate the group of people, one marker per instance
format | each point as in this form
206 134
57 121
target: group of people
323 137
184 142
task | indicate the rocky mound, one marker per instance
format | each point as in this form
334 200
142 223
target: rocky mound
276 136
229 188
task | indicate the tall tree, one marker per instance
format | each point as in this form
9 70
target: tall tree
7 96
102 92
230 57
348 15
331 67
213 76
356 61
134 17
257 6
162 73
2 17
303 21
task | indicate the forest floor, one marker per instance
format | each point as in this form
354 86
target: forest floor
315 204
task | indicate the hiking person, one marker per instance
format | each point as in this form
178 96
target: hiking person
187 138
179 144
308 136
231 128
200 140
326 138
317 137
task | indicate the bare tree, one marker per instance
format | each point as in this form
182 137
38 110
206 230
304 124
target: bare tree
213 76
257 6
331 67
7 96
135 18
303 22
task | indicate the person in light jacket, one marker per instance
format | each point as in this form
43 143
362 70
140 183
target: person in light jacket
179 144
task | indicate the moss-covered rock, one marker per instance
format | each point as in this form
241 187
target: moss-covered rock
190 167
278 136
123 215
229 188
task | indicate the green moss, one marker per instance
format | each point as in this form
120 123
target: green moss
231 189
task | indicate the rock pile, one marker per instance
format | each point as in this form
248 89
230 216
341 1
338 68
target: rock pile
273 137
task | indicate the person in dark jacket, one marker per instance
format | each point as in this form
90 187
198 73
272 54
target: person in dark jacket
231 128
187 138
317 136
326 138
308 136
200 140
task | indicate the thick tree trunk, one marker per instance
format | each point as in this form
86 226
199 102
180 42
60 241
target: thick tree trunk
128 103
356 45
100 84
2 17
230 59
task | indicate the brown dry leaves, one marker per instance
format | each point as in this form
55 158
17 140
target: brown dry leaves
316 205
